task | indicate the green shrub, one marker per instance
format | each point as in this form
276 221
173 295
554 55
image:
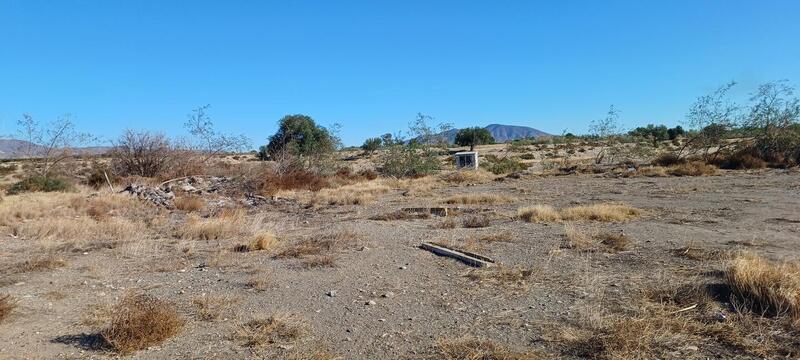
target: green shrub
502 166
409 161
40 183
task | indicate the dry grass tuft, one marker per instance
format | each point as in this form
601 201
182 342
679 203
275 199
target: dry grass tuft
467 176
316 353
616 242
261 241
318 251
141 321
539 213
469 199
601 212
476 221
189 203
228 224
401 215
354 194
212 307
473 349
40 263
7 305
514 277
272 330
318 261
579 240
694 168
448 223
695 253
766 287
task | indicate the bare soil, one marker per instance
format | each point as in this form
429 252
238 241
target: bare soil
384 298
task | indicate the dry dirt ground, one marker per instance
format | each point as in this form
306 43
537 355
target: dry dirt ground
372 293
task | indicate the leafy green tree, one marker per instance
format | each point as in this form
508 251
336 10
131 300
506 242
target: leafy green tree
371 145
472 136
674 133
299 135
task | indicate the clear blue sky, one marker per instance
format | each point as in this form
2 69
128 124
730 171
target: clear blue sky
372 65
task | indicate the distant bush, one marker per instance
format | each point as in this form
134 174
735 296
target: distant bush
502 165
746 158
6 169
96 176
371 145
668 159
142 153
40 183
409 161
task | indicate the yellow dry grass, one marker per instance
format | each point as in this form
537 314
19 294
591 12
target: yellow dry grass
478 176
283 328
764 286
539 213
354 194
226 225
600 212
483 198
189 203
141 321
7 305
467 348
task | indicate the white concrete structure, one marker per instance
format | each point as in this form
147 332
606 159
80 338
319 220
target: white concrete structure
466 160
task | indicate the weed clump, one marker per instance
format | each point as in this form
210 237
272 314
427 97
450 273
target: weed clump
766 287
141 321
38 183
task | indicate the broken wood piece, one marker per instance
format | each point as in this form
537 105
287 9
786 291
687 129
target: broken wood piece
468 258
438 211
685 309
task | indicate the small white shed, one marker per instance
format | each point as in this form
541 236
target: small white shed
466 160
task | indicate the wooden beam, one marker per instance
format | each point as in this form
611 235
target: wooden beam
468 258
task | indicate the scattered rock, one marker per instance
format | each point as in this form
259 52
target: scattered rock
156 196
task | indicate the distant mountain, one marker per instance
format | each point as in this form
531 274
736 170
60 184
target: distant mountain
501 133
16 149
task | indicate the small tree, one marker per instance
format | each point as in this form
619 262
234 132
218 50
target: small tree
299 136
50 144
207 140
711 116
674 133
141 153
607 129
472 136
772 122
371 145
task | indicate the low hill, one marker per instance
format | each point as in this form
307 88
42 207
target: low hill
17 149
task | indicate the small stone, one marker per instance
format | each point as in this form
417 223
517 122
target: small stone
403 267
692 348
371 302
388 295
332 293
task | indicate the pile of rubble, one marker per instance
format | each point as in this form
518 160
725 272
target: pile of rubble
154 195
198 185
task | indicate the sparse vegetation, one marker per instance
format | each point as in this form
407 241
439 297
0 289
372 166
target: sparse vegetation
276 329
477 199
766 287
473 349
140 321
7 305
36 183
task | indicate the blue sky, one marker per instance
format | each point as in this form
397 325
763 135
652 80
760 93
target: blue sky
372 65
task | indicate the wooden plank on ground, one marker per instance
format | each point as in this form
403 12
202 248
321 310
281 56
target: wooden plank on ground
470 259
